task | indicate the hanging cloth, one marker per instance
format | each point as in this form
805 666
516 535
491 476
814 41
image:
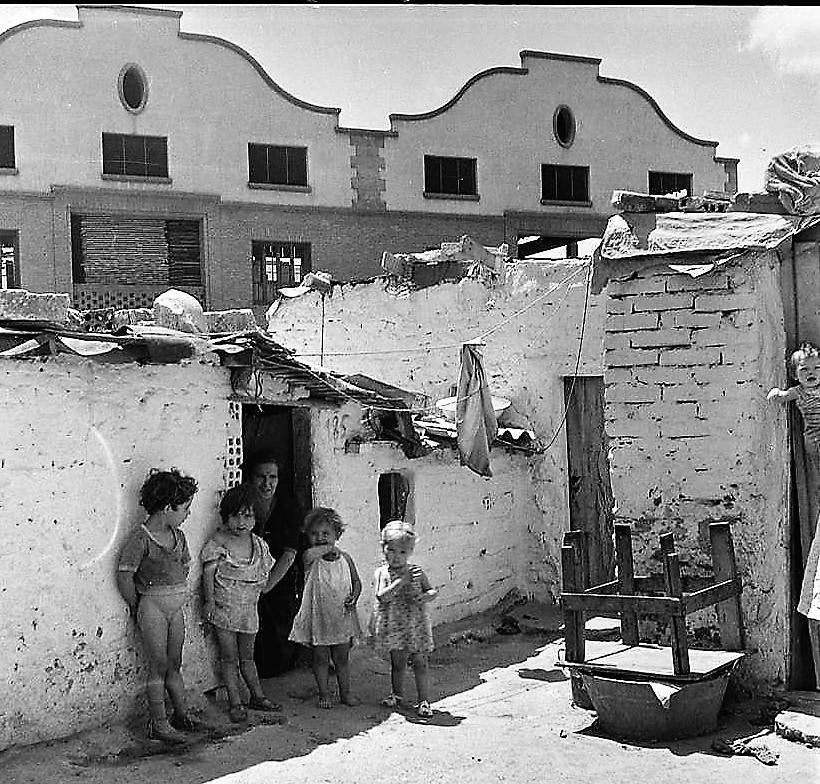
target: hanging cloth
476 425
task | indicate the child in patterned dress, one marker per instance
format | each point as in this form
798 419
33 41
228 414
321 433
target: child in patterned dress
236 569
401 623
152 578
327 620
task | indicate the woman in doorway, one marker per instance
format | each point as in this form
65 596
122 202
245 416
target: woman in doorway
278 522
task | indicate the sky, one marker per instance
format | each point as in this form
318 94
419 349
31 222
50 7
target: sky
745 76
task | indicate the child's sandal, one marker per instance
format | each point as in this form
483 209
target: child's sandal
393 701
424 710
264 704
184 722
166 733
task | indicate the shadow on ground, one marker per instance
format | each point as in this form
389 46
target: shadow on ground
464 651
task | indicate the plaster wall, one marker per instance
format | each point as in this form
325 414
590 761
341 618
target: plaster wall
533 318
693 440
77 439
619 135
473 533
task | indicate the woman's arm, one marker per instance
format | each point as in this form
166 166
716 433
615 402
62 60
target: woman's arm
280 569
356 584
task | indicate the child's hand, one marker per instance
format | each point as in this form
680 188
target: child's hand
208 611
774 393
331 555
429 595
350 602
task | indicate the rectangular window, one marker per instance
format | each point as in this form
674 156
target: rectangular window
277 265
272 165
661 183
7 147
451 176
564 183
9 263
135 156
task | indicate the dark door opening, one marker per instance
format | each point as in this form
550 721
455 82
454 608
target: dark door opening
590 491
284 433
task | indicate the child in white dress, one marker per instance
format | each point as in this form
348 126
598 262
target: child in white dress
401 625
236 569
327 621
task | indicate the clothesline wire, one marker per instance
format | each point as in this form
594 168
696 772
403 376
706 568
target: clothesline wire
479 337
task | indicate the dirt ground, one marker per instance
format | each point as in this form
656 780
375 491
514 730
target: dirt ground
503 713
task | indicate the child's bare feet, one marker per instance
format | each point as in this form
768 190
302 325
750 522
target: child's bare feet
349 699
325 702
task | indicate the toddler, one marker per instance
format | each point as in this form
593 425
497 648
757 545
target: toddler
152 578
236 570
401 621
327 620
805 366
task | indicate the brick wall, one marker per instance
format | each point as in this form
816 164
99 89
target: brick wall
688 363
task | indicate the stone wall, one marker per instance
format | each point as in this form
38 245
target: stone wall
693 440
77 439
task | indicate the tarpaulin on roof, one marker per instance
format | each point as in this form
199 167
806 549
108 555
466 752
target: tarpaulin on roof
794 177
633 235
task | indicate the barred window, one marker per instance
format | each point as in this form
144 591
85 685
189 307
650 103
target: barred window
269 164
138 156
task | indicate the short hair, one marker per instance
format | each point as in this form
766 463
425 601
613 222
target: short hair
320 515
806 350
162 489
237 498
399 531
260 459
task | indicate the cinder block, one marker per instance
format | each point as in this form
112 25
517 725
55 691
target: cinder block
617 375
661 337
663 374
706 282
687 318
724 302
618 305
630 357
22 305
653 284
663 302
627 322
132 316
238 320
632 393
616 340
690 356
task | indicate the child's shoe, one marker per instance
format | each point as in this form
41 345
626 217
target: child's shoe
424 709
166 733
184 722
264 704
238 714
393 701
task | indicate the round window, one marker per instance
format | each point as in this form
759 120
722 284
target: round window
563 126
133 88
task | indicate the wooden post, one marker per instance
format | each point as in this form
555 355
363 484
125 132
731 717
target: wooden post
578 541
677 623
725 568
667 544
573 619
626 580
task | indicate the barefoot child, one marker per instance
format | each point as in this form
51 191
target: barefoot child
152 578
401 623
236 569
327 620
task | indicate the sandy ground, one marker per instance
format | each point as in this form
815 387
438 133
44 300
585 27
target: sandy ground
502 714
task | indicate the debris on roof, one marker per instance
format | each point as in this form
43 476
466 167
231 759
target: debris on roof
451 262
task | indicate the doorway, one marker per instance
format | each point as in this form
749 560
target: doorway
590 491
282 432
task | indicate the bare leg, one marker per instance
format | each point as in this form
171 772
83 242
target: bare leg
814 637
398 664
229 657
153 624
422 675
340 655
173 677
247 667
321 666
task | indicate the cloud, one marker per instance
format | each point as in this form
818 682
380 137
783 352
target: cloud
789 36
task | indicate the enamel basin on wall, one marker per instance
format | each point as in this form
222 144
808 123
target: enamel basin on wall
447 406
